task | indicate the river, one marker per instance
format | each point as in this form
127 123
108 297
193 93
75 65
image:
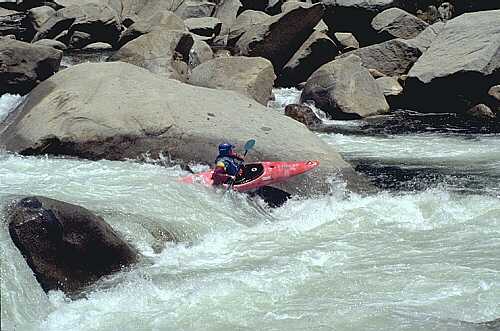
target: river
422 254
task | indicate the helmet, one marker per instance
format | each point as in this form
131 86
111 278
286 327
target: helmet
221 164
225 149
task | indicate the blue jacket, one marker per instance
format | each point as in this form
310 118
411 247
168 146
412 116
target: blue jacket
231 163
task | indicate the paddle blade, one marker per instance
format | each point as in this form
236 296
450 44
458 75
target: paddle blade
249 144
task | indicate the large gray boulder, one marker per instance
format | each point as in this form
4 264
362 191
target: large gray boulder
165 53
119 111
66 246
345 90
251 76
244 22
99 21
356 16
397 23
23 66
163 20
459 67
280 36
317 50
392 58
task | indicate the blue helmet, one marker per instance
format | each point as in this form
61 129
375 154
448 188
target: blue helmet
225 149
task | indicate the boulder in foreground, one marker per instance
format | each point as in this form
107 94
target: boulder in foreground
66 246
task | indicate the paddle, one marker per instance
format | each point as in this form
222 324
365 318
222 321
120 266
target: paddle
248 146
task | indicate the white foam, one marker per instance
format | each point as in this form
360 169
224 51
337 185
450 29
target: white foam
8 102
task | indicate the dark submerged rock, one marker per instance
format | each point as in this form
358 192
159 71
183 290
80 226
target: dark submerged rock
66 246
303 114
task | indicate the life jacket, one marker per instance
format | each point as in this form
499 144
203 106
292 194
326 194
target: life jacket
231 164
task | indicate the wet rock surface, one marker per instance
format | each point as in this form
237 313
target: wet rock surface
66 246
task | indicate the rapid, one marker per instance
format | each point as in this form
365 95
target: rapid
422 254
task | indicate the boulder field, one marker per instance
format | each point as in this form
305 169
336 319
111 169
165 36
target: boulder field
121 111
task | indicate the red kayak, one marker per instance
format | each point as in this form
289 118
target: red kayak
259 174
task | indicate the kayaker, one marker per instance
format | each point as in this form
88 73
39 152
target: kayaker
227 164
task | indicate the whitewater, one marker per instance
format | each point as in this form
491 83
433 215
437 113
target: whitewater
421 254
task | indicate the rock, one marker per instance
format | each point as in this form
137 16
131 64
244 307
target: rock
40 15
21 5
15 23
303 114
199 53
389 85
51 43
290 5
119 111
317 50
346 41
227 11
430 15
274 7
376 74
459 67
162 52
204 26
23 66
98 47
79 39
279 37
98 21
251 76
426 37
445 11
195 8
494 92
345 90
355 16
494 99
244 22
393 57
393 91
67 246
396 23
163 20
321 27
274 197
481 112
222 53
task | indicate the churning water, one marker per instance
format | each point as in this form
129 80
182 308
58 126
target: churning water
413 257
